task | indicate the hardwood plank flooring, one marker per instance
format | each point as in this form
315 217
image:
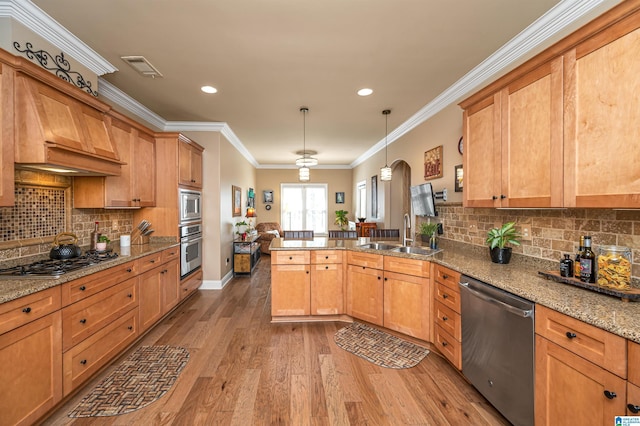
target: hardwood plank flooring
243 370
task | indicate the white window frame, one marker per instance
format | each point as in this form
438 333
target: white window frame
361 199
304 186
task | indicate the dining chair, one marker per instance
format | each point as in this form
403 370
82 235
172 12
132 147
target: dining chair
298 235
343 235
385 234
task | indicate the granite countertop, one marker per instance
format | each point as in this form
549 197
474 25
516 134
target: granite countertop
519 277
11 289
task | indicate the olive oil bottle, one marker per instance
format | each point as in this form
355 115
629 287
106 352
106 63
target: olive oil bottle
576 263
587 262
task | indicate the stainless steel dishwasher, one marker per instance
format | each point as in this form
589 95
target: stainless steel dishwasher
498 348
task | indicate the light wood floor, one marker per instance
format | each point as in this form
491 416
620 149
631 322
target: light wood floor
244 370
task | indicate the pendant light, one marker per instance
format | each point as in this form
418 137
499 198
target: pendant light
303 172
385 172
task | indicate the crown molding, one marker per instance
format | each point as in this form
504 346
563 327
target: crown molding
32 17
318 167
117 96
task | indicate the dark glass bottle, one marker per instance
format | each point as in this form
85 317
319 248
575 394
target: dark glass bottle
94 237
566 266
587 262
576 263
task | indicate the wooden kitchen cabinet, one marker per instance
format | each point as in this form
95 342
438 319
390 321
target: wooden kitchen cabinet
158 290
6 136
633 377
446 314
31 373
190 158
290 283
327 283
513 143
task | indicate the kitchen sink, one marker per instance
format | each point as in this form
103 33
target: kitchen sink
414 250
378 246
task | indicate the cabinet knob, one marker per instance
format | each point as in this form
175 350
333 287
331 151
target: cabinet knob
379 277
193 180
290 258
502 197
445 276
571 335
129 269
610 394
130 327
83 288
444 343
385 278
83 362
635 409
307 272
26 310
445 318
326 257
326 267
445 296
130 295
152 261
363 267
494 198
83 321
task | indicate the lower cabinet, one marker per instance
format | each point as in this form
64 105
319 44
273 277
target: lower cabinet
31 370
190 283
365 294
327 290
290 283
633 376
446 312
159 291
406 304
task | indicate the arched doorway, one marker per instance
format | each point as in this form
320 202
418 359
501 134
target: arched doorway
398 200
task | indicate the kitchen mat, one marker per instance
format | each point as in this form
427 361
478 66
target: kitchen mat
379 347
142 378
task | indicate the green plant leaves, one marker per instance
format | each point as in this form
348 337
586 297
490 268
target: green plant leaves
507 234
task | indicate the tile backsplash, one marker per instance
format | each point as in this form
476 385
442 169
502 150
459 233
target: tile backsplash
553 232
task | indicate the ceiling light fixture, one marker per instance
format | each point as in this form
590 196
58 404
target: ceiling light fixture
303 172
306 159
385 172
209 89
365 92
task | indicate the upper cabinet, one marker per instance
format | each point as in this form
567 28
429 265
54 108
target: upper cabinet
561 130
190 163
6 136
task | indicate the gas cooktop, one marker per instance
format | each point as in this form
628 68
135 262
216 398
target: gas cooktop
54 268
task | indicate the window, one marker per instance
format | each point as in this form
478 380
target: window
361 191
304 206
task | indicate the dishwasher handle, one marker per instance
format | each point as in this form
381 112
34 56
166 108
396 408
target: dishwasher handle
526 313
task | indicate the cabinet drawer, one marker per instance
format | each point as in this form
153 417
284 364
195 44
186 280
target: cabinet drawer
634 363
401 265
369 260
84 318
633 399
76 290
326 256
170 254
83 360
190 284
448 297
449 347
446 277
149 262
290 257
592 343
448 320
21 311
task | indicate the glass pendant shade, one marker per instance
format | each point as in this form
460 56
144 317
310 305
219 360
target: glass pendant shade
303 174
306 161
385 173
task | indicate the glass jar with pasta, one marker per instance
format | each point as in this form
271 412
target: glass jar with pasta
614 267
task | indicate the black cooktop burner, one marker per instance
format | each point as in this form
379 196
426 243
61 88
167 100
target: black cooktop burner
53 268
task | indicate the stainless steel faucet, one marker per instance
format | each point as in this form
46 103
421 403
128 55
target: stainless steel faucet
406 226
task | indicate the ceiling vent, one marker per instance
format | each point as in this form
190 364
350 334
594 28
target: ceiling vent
142 65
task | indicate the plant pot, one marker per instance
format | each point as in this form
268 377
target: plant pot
500 255
101 246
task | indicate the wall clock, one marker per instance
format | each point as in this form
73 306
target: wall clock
460 145
268 207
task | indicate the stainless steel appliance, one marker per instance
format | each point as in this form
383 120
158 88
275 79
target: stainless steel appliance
190 248
54 268
498 348
190 205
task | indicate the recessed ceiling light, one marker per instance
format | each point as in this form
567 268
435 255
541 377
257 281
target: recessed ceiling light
209 89
365 92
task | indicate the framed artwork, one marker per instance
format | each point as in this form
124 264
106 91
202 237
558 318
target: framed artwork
458 178
267 196
433 163
236 193
339 197
374 196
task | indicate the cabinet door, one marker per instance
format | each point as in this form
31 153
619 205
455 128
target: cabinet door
633 399
602 82
190 161
144 173
365 291
570 387
6 136
327 294
406 304
170 285
531 136
150 297
290 290
31 372
482 153
119 189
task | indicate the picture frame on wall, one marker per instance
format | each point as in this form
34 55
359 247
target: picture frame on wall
267 196
339 197
236 203
433 162
458 176
374 196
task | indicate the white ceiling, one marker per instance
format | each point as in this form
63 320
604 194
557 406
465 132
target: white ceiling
269 58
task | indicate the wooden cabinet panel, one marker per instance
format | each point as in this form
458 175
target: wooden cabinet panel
150 288
190 164
633 357
447 277
190 283
170 254
81 288
448 346
21 311
567 384
86 358
369 260
407 304
448 297
633 399
326 256
170 285
592 343
31 373
290 290
448 320
290 257
327 290
402 265
6 136
149 262
365 293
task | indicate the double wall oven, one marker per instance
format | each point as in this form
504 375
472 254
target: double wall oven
190 231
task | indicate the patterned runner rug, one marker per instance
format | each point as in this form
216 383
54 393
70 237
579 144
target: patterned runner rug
142 378
379 347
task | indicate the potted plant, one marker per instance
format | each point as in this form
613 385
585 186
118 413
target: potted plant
103 240
341 219
240 230
428 232
498 238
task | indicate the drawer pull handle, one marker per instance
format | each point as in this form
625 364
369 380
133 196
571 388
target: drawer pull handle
444 318
445 295
83 362
290 258
130 327
379 277
633 408
326 257
445 276
152 261
571 335
307 272
129 295
610 394
444 343
83 321
26 310
83 288
326 267
129 269
494 198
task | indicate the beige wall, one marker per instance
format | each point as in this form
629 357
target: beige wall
338 180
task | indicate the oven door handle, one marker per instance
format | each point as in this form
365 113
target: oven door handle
189 240
512 309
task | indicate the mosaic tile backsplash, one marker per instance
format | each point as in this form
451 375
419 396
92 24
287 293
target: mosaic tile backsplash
38 213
